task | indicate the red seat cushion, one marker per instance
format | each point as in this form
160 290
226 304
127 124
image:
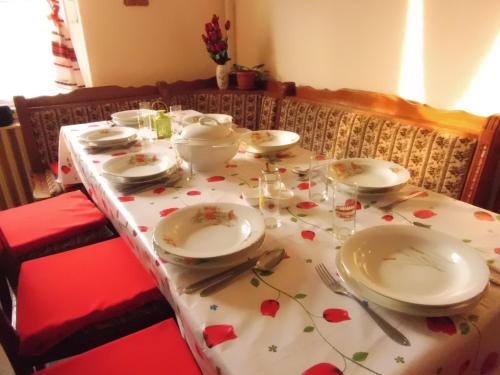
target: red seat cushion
158 349
54 167
62 293
27 228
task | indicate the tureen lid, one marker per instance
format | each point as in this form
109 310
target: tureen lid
207 128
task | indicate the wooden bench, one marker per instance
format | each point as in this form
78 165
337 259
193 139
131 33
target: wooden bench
450 152
42 117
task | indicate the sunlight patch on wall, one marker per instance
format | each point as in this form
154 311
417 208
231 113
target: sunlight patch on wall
482 97
411 78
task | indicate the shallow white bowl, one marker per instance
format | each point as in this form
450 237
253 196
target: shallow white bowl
407 308
415 265
109 136
371 175
138 166
268 141
208 231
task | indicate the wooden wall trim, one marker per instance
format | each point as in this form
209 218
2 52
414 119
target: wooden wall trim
92 94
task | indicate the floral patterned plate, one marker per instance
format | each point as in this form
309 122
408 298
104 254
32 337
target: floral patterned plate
138 166
371 175
109 136
207 231
415 265
269 141
131 117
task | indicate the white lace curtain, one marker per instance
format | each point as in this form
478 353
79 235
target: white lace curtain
68 74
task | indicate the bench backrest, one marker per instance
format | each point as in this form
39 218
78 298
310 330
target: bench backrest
254 109
445 151
42 117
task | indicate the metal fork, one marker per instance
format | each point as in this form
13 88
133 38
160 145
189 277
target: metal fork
337 288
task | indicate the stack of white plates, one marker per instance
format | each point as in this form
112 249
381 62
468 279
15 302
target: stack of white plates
131 171
209 235
109 137
413 270
132 117
372 176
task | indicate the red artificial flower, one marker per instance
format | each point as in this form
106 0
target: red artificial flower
215 41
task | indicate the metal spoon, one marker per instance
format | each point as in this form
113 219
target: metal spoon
302 173
265 262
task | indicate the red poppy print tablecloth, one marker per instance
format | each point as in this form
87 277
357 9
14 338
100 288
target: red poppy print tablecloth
287 321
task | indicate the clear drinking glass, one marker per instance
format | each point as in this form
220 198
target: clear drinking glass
269 198
318 177
345 200
145 119
175 115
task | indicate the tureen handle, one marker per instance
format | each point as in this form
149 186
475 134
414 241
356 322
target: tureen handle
208 121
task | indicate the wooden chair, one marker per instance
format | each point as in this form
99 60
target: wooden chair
159 349
41 118
70 302
50 226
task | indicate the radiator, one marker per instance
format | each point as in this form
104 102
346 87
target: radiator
15 170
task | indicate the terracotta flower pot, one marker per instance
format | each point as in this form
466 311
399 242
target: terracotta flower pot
246 80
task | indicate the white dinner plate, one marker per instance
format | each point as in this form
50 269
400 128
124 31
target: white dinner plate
407 308
131 117
109 136
210 263
415 265
267 141
371 175
138 166
209 230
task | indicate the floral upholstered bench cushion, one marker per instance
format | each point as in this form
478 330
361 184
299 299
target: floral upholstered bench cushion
46 121
253 109
437 160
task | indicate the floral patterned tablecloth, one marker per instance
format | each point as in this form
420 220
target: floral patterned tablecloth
287 321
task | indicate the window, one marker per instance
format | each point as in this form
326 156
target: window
26 61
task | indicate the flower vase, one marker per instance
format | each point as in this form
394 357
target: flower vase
222 76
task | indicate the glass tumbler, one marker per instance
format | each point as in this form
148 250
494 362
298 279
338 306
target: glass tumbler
269 198
318 177
145 119
344 209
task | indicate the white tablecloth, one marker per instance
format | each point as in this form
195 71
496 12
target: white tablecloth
288 322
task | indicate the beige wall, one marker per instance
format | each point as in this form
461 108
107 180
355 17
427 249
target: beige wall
359 44
141 45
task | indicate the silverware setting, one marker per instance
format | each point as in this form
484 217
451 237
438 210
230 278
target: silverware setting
135 188
391 205
264 262
338 288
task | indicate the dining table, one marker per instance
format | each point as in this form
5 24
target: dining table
286 321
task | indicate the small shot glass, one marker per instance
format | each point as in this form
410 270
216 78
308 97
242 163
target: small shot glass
269 198
345 200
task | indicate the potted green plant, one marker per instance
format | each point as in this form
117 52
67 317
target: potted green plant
246 77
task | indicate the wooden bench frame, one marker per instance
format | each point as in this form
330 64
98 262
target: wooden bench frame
482 184
483 180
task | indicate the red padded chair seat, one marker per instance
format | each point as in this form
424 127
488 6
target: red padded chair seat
159 349
63 293
26 228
